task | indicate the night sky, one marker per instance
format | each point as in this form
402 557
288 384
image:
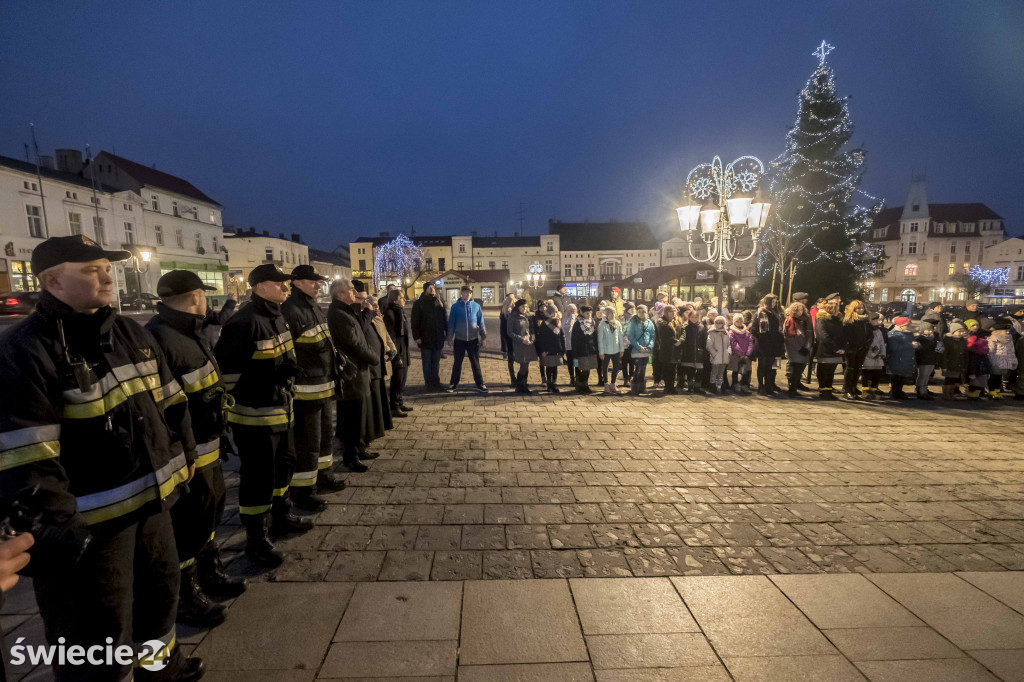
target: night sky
334 119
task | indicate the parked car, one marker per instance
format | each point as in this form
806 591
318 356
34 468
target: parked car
139 302
18 302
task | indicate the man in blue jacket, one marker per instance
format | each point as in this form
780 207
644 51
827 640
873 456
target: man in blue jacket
466 332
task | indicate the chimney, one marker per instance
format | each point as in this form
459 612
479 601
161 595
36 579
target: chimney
238 230
473 233
47 162
266 233
384 234
280 235
295 238
69 161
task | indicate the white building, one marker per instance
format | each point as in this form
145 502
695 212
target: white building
929 247
520 256
1007 254
594 255
244 250
162 215
331 264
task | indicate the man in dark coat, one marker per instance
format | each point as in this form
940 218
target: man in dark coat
429 330
397 323
344 321
807 325
559 298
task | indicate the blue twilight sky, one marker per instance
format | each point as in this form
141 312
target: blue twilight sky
333 119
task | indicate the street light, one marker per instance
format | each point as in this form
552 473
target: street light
138 264
727 203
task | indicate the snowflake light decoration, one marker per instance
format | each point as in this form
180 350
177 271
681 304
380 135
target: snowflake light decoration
702 188
745 180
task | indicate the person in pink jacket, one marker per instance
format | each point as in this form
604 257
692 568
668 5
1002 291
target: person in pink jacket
743 347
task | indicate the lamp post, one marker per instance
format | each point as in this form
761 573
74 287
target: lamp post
535 277
139 265
727 203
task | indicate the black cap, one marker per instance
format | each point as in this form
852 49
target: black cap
180 282
427 285
74 249
358 285
307 271
268 272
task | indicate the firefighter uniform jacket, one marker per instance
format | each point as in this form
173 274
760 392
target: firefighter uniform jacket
90 413
190 358
313 347
257 357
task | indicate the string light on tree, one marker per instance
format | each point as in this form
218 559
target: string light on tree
994 277
396 260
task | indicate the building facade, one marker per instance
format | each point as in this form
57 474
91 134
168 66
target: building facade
331 264
1007 254
676 251
929 248
520 256
244 250
596 255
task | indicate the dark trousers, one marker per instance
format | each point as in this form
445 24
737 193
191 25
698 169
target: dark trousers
667 372
896 384
463 349
810 360
826 374
124 587
639 379
268 460
870 378
312 440
431 366
551 375
613 360
198 512
570 365
851 375
582 379
627 365
399 370
690 378
765 371
349 427
523 375
794 371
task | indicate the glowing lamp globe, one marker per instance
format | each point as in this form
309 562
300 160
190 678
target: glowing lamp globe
709 218
757 216
738 208
688 216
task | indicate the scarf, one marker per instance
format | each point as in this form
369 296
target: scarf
587 326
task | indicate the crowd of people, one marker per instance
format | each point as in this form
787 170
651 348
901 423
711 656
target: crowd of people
700 349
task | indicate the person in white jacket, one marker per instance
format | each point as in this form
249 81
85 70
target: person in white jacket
609 348
719 349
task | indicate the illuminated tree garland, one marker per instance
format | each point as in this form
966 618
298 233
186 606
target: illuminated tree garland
395 260
814 229
995 277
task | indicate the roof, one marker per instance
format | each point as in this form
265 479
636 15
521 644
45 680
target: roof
478 275
151 177
338 258
889 219
652 278
611 236
51 174
425 240
504 242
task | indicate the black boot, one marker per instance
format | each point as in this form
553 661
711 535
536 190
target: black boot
215 582
405 408
329 482
366 454
306 499
194 608
258 547
178 669
284 522
352 463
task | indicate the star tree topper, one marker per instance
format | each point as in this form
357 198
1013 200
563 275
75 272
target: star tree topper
822 52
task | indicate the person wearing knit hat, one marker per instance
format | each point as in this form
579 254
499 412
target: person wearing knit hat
520 330
873 367
901 357
1001 356
978 364
954 359
617 302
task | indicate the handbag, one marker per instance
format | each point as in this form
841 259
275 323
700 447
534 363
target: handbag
586 363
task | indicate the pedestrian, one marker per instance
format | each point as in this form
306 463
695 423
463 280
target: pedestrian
94 425
397 324
559 299
609 347
466 333
954 360
667 351
692 353
627 351
598 315
832 345
798 344
656 312
550 346
178 328
520 329
979 365
1018 386
429 326
927 356
215 319
857 330
584 348
901 360
767 329
344 320
1002 357
617 303
719 349
506 342
813 312
744 348
641 334
377 416
314 392
568 322
873 367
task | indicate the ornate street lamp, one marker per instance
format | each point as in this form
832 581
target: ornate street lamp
726 203
138 264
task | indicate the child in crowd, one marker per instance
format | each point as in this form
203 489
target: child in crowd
568 322
719 349
627 355
584 348
1002 357
692 352
954 360
667 353
927 358
641 334
901 360
602 378
656 312
550 346
797 335
743 347
609 348
873 368
978 364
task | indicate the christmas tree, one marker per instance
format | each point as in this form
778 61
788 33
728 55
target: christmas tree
400 262
815 240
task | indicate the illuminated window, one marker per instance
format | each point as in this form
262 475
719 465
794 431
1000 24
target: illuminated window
952 268
967 266
910 270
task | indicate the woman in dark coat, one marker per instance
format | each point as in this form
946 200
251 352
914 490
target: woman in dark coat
520 330
669 336
767 329
398 327
858 331
550 346
832 345
584 348
374 422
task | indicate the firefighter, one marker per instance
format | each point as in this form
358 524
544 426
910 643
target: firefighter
256 353
314 392
178 328
95 437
